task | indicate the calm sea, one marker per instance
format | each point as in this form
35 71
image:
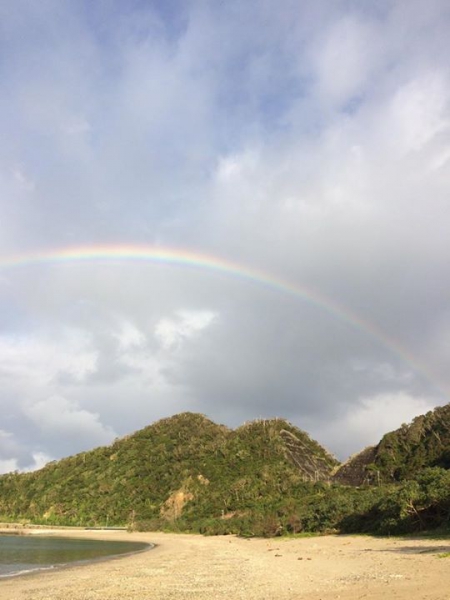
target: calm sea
25 553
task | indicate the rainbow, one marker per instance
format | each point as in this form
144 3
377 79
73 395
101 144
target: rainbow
187 258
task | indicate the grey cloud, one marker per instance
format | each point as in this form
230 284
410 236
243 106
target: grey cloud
312 147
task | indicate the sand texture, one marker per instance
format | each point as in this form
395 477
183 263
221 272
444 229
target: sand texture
191 567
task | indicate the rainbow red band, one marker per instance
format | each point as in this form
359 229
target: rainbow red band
182 257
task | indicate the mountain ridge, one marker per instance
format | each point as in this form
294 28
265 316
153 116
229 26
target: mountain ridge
134 477
425 442
265 477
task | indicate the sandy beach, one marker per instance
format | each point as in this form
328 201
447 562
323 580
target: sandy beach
191 567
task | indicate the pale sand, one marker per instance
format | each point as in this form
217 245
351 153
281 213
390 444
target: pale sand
191 567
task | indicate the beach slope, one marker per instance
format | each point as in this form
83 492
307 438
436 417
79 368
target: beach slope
190 567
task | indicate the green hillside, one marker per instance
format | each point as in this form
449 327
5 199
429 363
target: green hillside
184 467
403 453
267 477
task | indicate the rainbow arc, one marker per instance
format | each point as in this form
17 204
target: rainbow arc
188 258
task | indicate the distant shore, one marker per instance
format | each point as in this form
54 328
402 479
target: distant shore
194 567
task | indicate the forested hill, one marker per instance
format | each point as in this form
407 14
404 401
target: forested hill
185 465
267 477
403 453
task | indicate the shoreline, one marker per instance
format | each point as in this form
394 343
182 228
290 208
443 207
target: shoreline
64 533
186 566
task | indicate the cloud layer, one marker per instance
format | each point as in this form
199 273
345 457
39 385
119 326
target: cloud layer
310 143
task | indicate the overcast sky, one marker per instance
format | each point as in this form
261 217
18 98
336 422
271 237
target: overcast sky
307 141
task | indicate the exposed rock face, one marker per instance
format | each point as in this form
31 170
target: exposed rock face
355 470
183 466
402 453
313 465
173 506
310 460
187 466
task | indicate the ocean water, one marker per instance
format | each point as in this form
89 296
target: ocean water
26 553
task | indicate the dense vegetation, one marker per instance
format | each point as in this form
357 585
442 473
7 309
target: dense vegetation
267 477
401 454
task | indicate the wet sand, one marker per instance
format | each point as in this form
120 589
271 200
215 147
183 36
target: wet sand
190 567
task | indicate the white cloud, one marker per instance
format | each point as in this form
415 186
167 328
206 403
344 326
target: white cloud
8 465
58 416
346 57
40 459
419 112
312 146
441 159
129 336
234 167
8 451
173 332
36 360
365 423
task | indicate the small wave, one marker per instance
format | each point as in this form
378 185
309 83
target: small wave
28 570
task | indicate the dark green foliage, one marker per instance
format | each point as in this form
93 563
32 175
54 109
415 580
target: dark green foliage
175 473
416 505
401 454
265 478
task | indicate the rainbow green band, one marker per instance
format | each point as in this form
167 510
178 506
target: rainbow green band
183 257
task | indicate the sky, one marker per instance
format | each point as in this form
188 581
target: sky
236 208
